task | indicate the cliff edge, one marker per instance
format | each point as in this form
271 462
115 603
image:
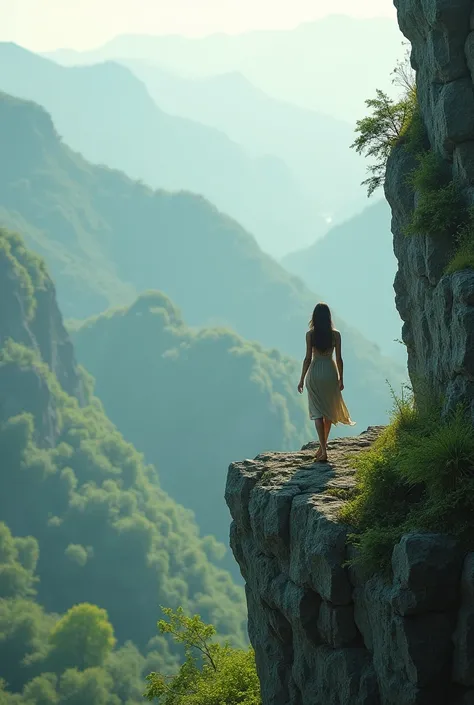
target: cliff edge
325 633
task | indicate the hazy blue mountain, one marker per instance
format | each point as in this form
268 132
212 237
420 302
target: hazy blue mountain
330 65
107 238
354 266
106 113
315 145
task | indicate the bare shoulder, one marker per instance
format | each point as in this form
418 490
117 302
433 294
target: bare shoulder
337 334
308 335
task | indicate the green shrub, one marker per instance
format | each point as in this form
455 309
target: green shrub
419 475
431 173
390 121
212 673
439 207
414 135
463 257
439 455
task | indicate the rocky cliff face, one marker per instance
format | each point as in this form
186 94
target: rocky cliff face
326 634
29 315
437 310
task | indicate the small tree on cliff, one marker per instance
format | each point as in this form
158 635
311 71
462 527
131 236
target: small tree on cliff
211 674
389 120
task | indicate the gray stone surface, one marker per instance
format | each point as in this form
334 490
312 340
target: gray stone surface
437 309
426 574
327 634
336 624
463 662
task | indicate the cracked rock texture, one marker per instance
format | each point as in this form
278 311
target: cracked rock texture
437 310
325 633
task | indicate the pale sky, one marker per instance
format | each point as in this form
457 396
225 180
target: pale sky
43 25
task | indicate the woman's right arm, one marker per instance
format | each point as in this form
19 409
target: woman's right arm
306 362
339 360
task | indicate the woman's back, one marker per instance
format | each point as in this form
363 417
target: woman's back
329 351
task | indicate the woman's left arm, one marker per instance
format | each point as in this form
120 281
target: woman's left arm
306 361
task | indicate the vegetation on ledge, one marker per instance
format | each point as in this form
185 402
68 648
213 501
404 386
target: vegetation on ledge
390 123
419 475
440 206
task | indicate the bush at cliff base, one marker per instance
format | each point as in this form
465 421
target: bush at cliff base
211 674
419 475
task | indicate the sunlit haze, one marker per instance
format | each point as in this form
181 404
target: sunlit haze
83 24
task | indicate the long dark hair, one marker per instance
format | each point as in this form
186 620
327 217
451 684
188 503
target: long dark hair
321 328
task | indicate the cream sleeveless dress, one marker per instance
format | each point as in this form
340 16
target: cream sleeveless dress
322 384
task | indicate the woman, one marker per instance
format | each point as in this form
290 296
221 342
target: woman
324 377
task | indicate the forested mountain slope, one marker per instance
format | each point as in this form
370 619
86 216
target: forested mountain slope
191 400
82 518
107 238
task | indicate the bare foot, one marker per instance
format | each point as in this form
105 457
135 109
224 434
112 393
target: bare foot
322 458
319 453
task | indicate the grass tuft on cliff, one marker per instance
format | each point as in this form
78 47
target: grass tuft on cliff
439 206
463 257
419 475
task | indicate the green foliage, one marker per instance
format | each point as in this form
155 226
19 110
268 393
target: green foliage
83 519
392 122
91 686
211 674
444 463
17 564
437 211
414 136
77 554
379 132
84 638
439 203
92 490
41 690
463 257
418 476
26 267
430 175
439 206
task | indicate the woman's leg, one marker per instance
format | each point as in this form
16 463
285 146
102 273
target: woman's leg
322 454
327 428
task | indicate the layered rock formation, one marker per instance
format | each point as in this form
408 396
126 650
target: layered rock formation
437 310
327 634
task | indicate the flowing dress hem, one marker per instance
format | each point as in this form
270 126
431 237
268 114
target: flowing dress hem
334 423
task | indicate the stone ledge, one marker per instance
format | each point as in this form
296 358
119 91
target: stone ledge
328 635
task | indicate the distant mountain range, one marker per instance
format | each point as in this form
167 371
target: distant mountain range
314 145
354 266
107 114
331 65
106 238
